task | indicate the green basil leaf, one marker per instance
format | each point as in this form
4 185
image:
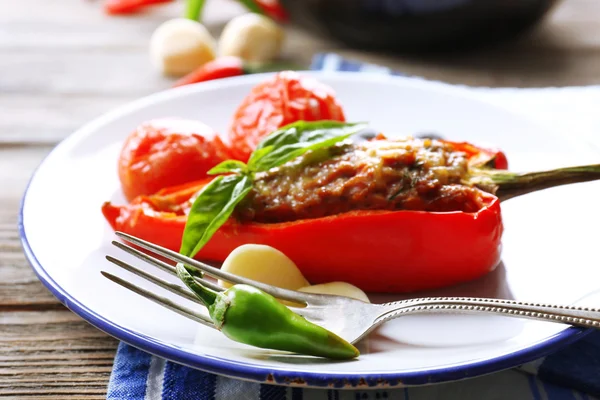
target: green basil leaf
229 166
295 139
257 155
211 209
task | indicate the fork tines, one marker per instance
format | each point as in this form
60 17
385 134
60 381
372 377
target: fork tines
163 301
169 286
280 293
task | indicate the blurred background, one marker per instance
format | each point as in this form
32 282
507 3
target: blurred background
90 61
74 60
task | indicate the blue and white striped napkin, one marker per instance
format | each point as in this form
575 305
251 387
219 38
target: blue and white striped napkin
571 373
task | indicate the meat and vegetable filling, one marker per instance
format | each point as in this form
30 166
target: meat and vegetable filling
411 174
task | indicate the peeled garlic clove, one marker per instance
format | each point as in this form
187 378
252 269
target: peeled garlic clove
180 45
337 288
264 264
251 37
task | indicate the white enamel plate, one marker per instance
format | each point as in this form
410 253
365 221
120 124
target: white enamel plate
549 245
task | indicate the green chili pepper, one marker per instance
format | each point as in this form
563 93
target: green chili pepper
248 315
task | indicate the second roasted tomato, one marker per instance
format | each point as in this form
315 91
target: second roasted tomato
283 99
167 152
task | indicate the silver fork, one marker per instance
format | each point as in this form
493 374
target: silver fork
349 318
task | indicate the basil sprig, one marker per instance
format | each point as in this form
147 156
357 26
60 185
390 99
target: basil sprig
217 200
211 209
293 140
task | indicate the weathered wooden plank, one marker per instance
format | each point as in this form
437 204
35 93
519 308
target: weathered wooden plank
53 353
57 362
118 72
55 332
19 287
16 166
8 372
55 391
48 396
34 119
21 290
48 358
57 379
82 344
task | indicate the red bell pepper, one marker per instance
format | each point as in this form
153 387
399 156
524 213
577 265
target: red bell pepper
378 251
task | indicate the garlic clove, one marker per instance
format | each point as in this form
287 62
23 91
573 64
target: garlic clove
264 264
179 46
251 37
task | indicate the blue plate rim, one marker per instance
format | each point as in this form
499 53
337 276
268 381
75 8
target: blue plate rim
285 377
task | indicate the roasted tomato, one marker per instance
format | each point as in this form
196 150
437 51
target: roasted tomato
166 152
287 97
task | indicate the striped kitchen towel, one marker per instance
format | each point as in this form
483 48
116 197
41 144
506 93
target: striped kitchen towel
571 373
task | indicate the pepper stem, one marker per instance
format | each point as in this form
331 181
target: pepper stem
193 9
252 6
205 294
506 185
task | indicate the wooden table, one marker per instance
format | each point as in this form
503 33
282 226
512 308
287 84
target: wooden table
64 62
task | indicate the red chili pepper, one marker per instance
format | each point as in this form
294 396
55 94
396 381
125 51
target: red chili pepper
378 251
115 7
273 9
223 67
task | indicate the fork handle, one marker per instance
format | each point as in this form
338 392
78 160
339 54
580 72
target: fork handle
573 315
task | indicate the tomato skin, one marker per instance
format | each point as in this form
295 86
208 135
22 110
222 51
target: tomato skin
285 98
167 152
